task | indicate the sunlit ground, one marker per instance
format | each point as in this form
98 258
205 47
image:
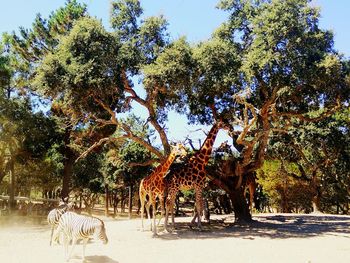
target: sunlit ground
271 238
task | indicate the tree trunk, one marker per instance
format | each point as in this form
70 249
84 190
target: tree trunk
2 174
67 175
12 202
240 206
316 199
130 201
284 202
316 204
115 200
106 200
122 200
232 185
69 159
115 204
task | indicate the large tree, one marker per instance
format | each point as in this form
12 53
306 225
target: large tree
267 69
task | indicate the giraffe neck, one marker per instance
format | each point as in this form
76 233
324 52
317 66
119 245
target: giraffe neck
207 147
164 167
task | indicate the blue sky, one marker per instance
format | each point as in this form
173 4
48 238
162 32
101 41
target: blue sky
194 18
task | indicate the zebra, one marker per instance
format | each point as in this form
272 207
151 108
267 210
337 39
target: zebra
76 227
55 214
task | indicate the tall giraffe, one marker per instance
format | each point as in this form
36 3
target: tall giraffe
153 185
191 175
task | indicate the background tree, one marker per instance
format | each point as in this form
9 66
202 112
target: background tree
29 47
88 75
318 152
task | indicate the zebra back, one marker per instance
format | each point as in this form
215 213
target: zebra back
82 227
55 214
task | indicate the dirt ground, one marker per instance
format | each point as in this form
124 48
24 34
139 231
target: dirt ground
271 238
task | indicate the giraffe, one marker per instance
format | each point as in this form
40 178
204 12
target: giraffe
191 175
153 185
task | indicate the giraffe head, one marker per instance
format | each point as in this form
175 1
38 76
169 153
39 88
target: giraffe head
223 124
178 149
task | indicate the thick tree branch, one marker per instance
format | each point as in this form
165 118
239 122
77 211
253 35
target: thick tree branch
326 113
108 109
98 144
251 162
302 175
128 132
148 104
139 140
147 163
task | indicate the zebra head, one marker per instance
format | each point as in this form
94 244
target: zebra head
100 233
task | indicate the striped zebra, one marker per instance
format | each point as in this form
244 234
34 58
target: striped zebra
75 227
55 214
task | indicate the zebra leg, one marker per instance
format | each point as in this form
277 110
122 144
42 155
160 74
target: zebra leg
85 241
52 228
65 245
74 242
55 236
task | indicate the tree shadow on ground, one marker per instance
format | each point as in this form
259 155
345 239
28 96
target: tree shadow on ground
269 226
99 259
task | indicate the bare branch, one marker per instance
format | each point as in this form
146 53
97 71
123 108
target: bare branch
247 124
147 163
139 140
108 109
190 143
97 144
148 104
325 114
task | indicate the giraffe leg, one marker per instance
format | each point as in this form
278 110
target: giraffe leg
199 207
172 211
142 200
169 208
148 205
154 226
194 216
161 201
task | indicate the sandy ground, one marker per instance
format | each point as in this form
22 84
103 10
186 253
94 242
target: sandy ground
271 238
